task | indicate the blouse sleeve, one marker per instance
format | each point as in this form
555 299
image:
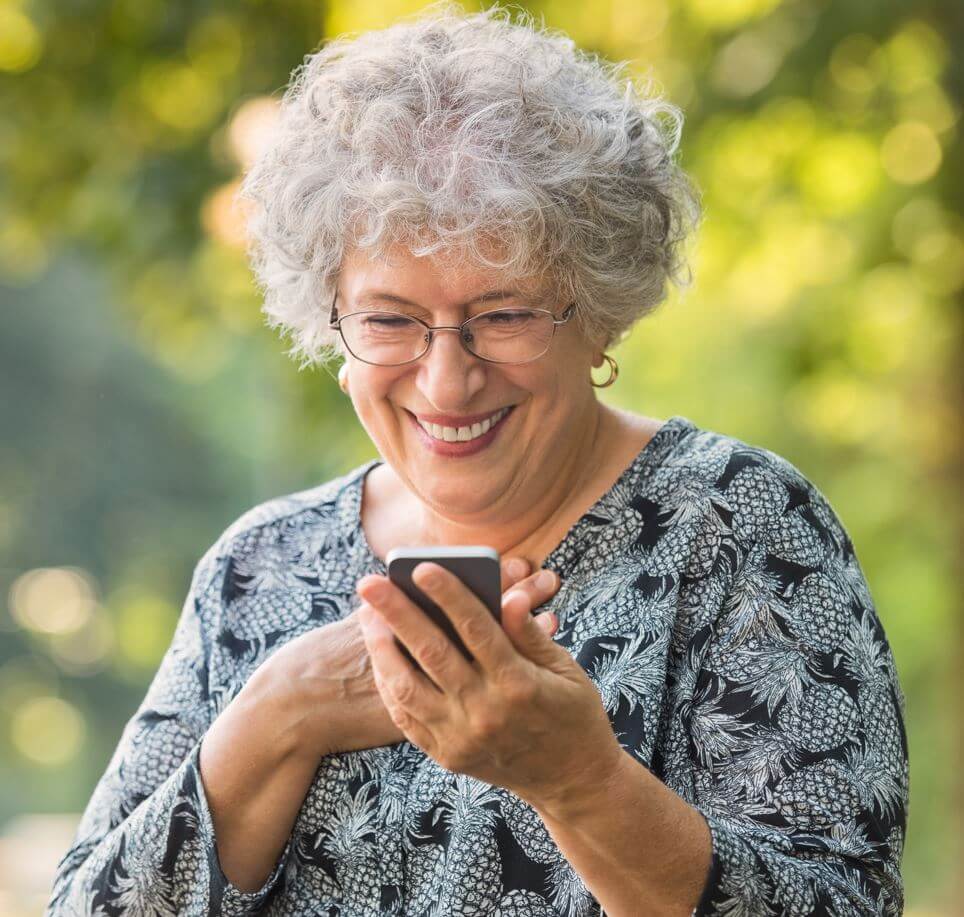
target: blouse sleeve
145 843
797 733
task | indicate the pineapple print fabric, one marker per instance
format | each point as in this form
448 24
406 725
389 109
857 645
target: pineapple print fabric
715 600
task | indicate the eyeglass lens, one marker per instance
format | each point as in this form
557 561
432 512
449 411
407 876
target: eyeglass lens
502 335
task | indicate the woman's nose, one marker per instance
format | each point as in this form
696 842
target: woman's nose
448 375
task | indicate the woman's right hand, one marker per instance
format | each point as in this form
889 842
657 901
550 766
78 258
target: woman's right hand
327 675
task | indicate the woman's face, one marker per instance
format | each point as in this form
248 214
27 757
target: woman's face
537 445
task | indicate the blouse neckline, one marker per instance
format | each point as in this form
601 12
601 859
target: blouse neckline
645 461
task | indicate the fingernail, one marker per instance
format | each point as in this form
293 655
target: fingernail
516 567
374 589
546 579
427 575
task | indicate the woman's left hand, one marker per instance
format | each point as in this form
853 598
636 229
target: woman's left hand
523 715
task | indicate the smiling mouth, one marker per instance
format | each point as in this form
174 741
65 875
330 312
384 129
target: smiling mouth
466 433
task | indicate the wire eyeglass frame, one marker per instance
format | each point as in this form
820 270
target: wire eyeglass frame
334 322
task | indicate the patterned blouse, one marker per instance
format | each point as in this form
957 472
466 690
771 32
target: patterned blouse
714 599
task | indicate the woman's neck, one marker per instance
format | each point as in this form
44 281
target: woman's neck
612 439
525 534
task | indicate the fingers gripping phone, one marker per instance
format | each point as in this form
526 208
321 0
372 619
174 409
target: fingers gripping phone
476 565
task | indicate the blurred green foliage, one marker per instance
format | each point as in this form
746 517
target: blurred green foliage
145 405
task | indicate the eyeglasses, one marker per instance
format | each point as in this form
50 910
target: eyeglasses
385 338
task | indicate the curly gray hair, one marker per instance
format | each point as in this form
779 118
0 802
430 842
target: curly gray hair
472 136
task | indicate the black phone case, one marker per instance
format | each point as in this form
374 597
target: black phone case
481 574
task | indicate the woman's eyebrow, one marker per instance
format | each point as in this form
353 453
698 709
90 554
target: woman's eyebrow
381 296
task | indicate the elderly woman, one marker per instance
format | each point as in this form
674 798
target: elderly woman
704 715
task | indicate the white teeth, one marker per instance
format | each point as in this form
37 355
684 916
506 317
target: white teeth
462 434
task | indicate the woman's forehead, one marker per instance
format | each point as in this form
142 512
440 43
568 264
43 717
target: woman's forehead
403 275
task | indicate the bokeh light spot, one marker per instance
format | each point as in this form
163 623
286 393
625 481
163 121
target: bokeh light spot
745 65
918 217
916 55
727 14
145 624
789 124
52 600
223 215
855 64
252 129
214 46
47 730
179 95
20 41
910 153
840 173
930 105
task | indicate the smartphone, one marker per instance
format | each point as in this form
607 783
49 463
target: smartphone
476 565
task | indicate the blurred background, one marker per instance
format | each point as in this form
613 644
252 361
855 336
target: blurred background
144 405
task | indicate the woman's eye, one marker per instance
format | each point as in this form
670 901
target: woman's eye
507 317
387 321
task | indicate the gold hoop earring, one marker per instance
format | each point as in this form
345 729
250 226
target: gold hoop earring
343 378
613 373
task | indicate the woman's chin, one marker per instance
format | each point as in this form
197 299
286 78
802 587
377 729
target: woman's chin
458 497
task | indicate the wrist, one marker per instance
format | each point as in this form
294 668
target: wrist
276 703
592 790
